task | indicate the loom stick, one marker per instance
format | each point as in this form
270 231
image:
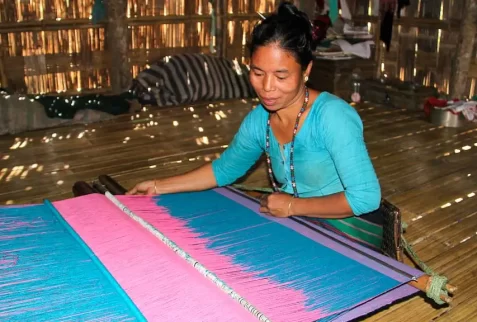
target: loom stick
81 188
422 283
111 185
197 265
100 188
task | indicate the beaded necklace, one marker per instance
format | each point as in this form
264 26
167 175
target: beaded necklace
267 147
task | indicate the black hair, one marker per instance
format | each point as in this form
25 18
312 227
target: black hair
288 27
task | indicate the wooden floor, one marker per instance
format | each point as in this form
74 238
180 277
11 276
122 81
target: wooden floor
429 172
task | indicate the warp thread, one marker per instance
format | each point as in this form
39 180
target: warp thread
88 250
197 265
438 282
8 260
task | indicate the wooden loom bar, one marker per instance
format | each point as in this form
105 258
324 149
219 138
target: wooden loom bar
112 185
81 188
421 283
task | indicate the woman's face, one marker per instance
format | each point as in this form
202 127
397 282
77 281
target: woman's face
276 76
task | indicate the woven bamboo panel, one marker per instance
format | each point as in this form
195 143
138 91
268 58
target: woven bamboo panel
53 46
423 42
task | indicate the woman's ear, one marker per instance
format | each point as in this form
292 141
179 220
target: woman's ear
308 69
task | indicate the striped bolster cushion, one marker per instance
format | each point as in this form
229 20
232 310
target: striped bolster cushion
192 78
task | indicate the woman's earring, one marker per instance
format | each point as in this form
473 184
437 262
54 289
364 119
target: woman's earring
306 79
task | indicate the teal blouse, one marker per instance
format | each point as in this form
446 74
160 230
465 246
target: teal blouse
330 155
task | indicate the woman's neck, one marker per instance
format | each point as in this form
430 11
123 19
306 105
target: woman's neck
288 114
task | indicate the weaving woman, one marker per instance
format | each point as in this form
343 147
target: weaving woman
318 162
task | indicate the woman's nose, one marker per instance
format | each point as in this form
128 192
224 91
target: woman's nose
268 84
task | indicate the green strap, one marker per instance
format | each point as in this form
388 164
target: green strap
438 282
348 227
257 189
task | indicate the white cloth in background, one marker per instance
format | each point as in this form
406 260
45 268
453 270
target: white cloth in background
467 108
361 49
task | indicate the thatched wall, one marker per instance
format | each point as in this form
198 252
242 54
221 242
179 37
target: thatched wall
52 45
423 44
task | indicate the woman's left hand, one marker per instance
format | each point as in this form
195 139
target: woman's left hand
276 204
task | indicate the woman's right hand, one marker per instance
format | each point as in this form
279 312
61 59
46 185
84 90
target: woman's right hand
196 180
144 188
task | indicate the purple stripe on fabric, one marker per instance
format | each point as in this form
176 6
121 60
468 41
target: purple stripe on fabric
378 303
352 253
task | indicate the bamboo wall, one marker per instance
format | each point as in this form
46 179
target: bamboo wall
424 40
52 46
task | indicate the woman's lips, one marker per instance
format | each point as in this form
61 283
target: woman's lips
269 101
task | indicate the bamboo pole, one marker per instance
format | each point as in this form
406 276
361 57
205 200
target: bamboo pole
3 74
463 53
117 41
220 37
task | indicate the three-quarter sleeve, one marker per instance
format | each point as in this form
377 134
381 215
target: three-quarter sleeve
244 150
342 133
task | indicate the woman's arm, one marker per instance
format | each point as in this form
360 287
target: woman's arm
341 130
333 206
234 162
284 205
196 180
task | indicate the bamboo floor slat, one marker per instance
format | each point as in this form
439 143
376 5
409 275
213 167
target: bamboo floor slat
427 171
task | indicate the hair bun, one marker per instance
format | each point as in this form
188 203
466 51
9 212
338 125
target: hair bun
288 10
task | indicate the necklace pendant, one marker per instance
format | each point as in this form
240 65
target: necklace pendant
267 145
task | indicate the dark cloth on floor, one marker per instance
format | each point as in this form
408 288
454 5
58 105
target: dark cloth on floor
66 107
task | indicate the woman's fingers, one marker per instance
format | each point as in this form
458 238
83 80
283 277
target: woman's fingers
133 191
264 201
264 210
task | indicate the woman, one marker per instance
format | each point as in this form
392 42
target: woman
318 162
